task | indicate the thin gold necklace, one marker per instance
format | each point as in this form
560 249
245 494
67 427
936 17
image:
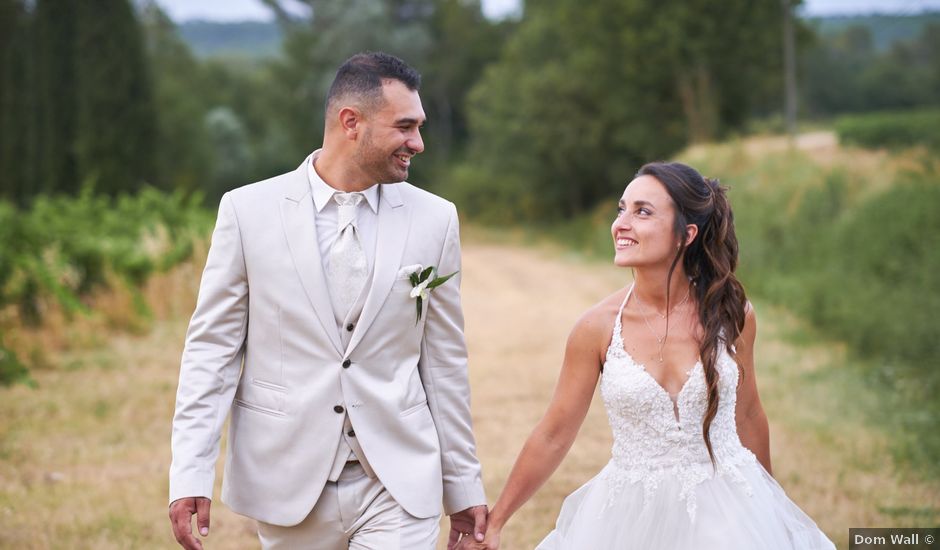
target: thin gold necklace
659 340
663 315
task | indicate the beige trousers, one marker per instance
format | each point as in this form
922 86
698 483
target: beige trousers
354 512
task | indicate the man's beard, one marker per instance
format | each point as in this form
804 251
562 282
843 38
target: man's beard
376 163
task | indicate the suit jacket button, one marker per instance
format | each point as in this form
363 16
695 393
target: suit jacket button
339 409
350 327
351 433
346 364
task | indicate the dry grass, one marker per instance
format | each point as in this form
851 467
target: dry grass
872 169
83 458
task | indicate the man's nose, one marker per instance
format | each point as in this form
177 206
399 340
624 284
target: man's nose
415 143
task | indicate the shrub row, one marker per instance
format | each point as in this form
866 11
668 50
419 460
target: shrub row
858 257
61 249
892 130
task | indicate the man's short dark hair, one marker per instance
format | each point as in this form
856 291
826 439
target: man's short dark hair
361 77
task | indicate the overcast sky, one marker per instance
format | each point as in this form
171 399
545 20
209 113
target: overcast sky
238 10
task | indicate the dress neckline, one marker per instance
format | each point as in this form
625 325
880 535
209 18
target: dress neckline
618 341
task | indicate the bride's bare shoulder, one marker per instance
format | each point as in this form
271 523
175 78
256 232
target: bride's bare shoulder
597 323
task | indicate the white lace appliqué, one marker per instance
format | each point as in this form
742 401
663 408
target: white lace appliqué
651 444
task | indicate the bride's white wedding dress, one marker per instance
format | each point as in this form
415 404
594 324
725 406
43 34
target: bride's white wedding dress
659 491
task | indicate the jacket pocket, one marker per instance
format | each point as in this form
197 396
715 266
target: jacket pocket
414 409
269 385
259 409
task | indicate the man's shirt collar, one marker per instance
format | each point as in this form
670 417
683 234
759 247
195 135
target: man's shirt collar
322 192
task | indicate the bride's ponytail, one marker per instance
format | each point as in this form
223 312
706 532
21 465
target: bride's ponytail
709 261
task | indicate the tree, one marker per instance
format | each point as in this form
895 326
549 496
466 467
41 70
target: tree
18 123
832 67
115 115
182 152
464 43
230 150
845 73
586 93
86 81
56 80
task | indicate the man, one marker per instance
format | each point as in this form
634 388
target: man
349 398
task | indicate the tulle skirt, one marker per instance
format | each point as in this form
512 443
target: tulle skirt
728 516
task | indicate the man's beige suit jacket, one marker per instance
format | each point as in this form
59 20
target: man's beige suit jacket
263 348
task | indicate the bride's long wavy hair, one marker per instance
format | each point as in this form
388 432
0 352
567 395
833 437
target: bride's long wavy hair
709 261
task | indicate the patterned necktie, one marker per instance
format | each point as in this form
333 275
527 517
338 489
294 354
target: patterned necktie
348 267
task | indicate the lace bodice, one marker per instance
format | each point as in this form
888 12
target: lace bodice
650 442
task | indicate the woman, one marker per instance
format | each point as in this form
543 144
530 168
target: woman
674 351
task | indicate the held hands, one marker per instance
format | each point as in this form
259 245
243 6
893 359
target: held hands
181 518
491 542
466 526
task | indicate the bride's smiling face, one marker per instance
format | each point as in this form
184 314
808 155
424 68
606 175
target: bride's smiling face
643 231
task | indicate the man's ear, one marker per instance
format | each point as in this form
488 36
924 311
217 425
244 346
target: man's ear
691 232
349 120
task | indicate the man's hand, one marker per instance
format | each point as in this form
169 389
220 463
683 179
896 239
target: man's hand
181 518
469 522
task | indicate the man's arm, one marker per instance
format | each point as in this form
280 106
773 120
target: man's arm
443 368
209 368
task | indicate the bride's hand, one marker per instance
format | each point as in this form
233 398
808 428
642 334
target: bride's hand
491 542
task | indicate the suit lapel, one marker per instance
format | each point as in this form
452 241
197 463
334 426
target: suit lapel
298 215
389 246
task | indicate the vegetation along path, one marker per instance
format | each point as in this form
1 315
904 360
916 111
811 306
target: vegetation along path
84 458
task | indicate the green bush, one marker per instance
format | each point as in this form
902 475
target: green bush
11 368
892 130
62 248
856 259
494 199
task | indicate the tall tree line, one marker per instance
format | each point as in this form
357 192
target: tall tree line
19 122
844 72
77 108
585 93
538 118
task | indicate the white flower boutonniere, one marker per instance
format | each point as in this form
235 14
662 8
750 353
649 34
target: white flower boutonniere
424 282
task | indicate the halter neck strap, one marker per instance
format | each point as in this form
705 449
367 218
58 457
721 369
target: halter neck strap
622 305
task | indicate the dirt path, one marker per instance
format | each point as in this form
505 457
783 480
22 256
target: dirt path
83 460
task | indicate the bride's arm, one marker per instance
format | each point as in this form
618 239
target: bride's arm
553 435
749 415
